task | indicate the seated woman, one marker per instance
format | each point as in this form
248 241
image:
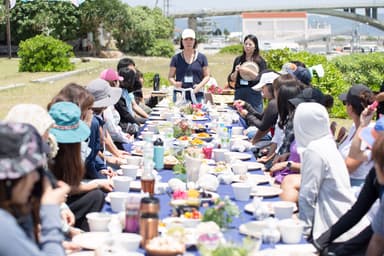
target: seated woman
325 192
267 119
69 131
29 206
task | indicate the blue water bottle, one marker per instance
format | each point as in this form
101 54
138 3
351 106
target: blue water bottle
158 154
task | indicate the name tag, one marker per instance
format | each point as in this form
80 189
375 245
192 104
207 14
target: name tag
188 79
243 82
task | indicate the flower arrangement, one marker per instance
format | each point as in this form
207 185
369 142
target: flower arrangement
222 212
181 128
214 89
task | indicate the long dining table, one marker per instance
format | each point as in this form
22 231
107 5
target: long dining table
231 234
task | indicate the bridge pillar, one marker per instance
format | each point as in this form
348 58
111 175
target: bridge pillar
192 22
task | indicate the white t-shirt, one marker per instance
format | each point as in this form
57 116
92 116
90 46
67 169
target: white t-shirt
364 167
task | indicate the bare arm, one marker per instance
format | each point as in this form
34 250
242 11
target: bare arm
356 156
205 79
171 77
139 110
375 246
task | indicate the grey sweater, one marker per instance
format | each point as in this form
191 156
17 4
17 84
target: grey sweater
14 240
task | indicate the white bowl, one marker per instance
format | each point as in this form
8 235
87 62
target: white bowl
291 230
134 160
241 191
129 170
118 200
283 209
121 183
128 241
98 221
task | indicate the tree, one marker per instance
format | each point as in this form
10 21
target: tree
142 30
57 19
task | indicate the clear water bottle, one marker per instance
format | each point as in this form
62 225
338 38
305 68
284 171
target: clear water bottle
148 156
224 138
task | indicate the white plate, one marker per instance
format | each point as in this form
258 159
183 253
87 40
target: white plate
250 208
289 249
138 174
156 118
156 112
266 191
156 122
255 166
82 253
136 152
199 118
239 137
91 240
190 233
253 178
252 228
214 196
240 155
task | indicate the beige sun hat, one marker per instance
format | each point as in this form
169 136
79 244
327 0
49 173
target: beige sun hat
249 66
32 114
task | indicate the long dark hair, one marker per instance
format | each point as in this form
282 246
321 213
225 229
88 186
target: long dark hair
77 94
68 165
287 87
256 52
20 211
129 79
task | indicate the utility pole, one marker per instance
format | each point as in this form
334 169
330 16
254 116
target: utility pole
8 29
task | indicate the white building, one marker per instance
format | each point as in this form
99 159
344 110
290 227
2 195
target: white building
281 26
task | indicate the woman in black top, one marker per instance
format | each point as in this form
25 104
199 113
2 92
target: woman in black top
251 53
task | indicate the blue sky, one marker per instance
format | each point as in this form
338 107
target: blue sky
199 5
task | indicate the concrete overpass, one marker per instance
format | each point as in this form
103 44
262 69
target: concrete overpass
339 8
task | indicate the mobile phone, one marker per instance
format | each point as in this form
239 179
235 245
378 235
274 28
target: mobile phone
373 106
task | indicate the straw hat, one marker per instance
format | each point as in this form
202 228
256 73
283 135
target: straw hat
251 66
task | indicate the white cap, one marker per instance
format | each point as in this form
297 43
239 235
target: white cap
188 33
266 78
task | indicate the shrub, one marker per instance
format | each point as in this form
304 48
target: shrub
332 83
232 49
45 53
148 79
161 48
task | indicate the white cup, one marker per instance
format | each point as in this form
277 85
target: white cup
98 221
121 183
134 160
291 230
228 157
218 154
241 191
129 170
239 168
283 209
237 130
147 136
118 200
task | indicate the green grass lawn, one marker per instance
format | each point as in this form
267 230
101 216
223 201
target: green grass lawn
41 93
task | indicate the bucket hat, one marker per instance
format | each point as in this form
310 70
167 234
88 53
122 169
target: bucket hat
22 150
68 128
250 66
32 114
104 94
